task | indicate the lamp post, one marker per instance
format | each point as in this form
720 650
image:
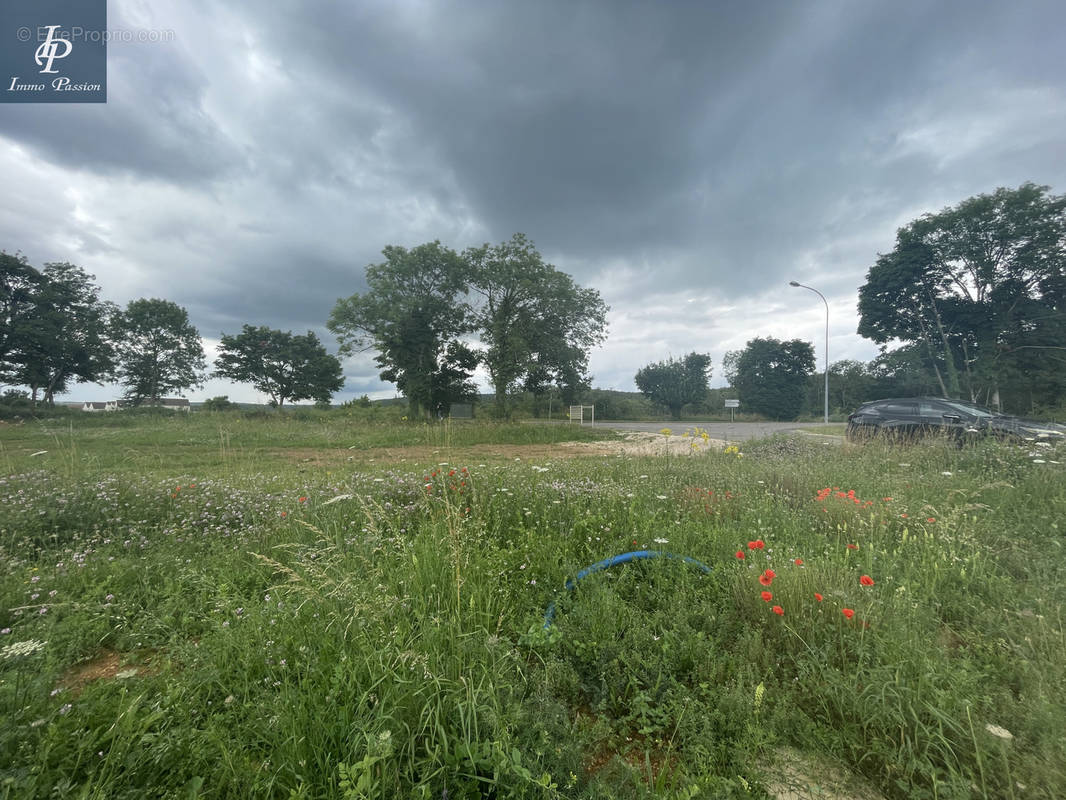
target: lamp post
802 286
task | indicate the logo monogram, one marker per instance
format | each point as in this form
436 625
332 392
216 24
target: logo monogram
48 51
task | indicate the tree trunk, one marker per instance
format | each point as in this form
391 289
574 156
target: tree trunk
502 410
932 360
949 358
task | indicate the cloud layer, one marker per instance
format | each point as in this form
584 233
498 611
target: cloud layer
685 159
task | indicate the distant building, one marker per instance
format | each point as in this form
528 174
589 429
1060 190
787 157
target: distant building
171 403
110 405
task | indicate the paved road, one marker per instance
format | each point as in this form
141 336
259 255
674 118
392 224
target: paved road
727 431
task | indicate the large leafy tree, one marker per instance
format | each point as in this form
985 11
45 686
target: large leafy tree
282 364
158 349
63 337
536 323
414 315
19 285
772 376
980 288
675 383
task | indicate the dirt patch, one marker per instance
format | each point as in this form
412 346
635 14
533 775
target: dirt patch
796 776
632 444
640 443
108 665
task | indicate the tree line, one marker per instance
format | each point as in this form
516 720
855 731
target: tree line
55 331
969 304
432 315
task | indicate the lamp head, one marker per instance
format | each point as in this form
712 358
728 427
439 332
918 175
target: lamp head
793 283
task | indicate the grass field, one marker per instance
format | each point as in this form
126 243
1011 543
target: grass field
225 607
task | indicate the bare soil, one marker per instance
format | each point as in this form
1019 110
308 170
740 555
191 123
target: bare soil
632 444
108 665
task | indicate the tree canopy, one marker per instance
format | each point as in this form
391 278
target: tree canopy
158 349
536 323
282 364
980 288
412 311
772 376
675 383
62 335
19 286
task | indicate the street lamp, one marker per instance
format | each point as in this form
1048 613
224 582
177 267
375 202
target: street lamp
801 286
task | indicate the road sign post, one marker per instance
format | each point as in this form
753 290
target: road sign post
732 404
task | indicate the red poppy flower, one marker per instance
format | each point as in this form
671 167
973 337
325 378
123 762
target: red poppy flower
848 612
817 597
740 554
886 499
753 545
778 610
930 519
765 580
284 513
853 547
770 573
766 596
303 499
451 474
798 562
866 580
759 543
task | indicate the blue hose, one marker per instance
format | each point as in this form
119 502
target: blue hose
599 566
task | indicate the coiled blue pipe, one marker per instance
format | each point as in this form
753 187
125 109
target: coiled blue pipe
599 566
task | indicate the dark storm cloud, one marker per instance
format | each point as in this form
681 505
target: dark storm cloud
720 130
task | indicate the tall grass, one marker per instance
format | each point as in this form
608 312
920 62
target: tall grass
377 629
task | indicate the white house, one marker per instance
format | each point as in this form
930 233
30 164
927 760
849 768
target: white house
110 405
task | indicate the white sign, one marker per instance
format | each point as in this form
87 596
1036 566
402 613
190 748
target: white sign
732 404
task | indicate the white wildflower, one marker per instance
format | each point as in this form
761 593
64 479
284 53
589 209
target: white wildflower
17 649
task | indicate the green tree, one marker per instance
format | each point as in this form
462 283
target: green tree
64 337
282 364
19 286
850 383
412 312
772 376
219 403
675 383
981 288
159 351
729 366
537 324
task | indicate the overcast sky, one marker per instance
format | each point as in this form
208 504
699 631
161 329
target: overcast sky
685 159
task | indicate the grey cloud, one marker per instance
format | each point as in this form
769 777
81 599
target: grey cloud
649 149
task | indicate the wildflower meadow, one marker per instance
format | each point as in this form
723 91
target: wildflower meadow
232 607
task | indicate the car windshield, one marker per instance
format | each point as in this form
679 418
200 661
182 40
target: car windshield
968 408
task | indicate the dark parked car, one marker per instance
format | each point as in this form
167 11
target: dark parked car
910 417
